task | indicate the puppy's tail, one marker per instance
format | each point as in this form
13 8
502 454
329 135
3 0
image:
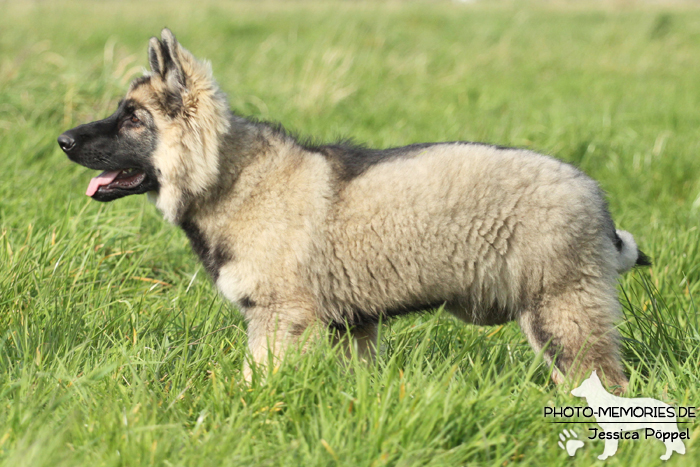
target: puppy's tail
629 255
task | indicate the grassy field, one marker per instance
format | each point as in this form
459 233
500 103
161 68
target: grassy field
115 349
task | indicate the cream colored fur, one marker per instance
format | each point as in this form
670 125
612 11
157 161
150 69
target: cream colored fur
494 234
188 156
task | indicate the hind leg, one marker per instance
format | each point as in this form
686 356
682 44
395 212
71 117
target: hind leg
575 326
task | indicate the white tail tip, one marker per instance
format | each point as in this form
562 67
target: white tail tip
628 255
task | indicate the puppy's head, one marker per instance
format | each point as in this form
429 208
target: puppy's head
164 136
122 146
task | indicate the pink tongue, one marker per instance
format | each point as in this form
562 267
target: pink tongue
105 178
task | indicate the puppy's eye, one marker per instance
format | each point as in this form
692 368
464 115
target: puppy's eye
134 119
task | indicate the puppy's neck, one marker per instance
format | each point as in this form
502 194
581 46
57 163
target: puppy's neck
249 153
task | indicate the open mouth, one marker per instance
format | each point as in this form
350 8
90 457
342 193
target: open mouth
110 180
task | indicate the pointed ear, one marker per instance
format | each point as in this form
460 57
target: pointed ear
155 56
172 54
164 57
180 81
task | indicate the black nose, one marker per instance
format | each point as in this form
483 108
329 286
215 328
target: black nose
66 142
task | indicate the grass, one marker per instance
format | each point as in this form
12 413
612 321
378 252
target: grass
115 348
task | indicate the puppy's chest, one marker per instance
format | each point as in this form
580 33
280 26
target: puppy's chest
226 270
251 282
250 268
212 253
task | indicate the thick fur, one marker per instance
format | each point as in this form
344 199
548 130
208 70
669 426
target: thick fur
344 236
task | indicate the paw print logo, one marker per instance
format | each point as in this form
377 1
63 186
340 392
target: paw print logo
569 443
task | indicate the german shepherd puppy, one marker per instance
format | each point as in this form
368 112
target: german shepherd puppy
343 236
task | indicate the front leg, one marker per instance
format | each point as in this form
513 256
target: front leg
360 340
271 331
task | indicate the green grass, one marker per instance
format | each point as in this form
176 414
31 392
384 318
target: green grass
115 349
